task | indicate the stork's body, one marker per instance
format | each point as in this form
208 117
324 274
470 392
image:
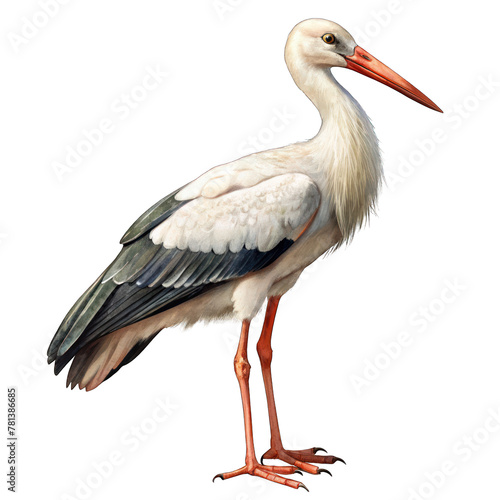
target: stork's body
240 234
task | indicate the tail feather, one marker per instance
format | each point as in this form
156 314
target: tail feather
100 360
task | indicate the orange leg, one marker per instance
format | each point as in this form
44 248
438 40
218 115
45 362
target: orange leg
242 369
298 458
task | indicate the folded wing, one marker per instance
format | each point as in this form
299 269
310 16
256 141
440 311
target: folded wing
178 250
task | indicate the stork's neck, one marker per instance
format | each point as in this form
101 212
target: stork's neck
319 85
345 148
332 101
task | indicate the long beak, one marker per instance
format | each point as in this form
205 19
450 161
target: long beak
364 63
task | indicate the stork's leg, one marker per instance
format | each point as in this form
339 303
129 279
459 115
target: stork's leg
242 369
298 458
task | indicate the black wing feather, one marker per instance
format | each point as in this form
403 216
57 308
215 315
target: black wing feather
134 290
146 279
152 217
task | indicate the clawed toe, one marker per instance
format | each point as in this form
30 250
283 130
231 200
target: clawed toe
324 470
303 459
317 448
268 472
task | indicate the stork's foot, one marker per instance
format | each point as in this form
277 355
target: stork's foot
301 458
266 472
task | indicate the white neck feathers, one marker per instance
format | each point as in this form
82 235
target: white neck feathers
346 147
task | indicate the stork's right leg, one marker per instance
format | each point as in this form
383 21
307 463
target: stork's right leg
242 369
299 458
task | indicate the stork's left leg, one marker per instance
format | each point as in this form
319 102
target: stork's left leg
299 458
242 369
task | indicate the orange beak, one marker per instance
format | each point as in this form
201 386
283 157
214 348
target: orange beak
364 63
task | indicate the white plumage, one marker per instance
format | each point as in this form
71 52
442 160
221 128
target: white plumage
239 234
256 217
314 193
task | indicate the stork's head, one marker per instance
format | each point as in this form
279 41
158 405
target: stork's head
324 44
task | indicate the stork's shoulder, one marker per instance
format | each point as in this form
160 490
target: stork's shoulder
257 217
245 172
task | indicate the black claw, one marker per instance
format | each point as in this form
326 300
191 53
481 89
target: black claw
298 472
340 460
324 470
262 460
315 450
218 475
302 485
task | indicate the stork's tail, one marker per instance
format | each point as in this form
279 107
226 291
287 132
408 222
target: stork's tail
112 304
101 359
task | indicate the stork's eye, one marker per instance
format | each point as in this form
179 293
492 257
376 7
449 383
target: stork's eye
328 38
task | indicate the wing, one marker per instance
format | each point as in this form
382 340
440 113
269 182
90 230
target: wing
178 250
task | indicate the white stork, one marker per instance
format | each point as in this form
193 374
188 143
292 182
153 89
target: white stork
239 234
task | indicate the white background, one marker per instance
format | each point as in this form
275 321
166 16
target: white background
437 224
